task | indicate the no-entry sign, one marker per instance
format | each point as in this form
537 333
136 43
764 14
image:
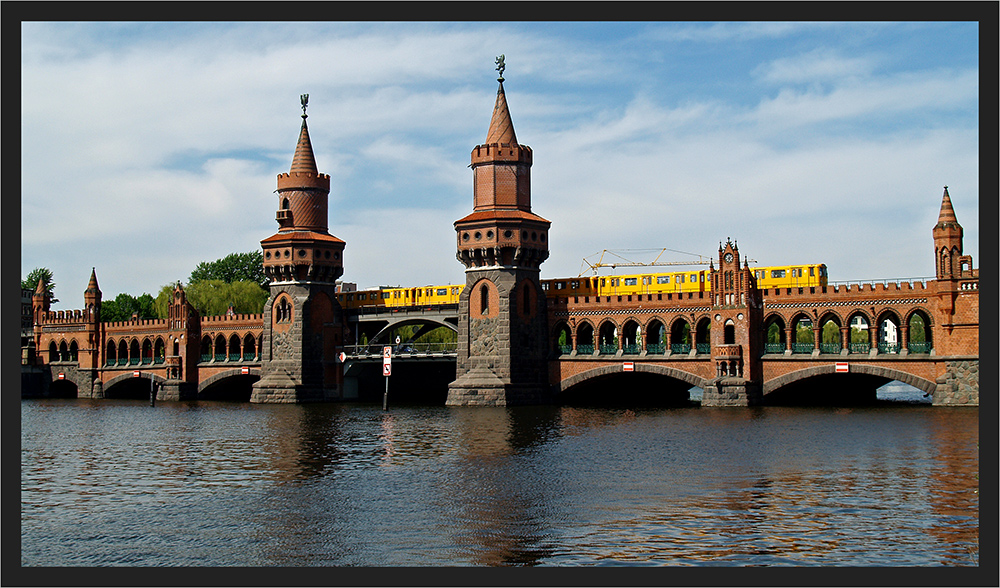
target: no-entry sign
387 361
841 367
629 366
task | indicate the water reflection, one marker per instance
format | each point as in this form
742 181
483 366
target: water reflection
109 483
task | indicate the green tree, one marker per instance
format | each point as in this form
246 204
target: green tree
235 267
45 274
214 297
831 332
125 305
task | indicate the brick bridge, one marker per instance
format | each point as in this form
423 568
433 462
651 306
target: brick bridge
517 344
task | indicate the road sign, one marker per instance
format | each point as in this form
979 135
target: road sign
387 352
135 374
244 370
342 357
387 369
62 376
629 366
841 367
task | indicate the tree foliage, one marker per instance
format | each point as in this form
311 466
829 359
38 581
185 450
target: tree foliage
45 274
214 297
235 267
125 305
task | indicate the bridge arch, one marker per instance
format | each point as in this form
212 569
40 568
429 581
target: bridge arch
656 335
562 337
919 323
830 332
886 373
225 375
584 337
616 368
889 333
128 385
381 337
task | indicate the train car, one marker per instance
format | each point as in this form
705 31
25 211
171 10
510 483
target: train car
361 298
791 276
423 296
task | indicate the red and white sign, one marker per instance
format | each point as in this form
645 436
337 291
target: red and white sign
62 376
342 357
244 370
629 366
387 361
841 367
386 370
135 374
387 352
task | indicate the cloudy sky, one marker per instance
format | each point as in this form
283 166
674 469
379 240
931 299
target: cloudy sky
149 147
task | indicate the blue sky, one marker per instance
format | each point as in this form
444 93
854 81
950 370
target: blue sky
149 147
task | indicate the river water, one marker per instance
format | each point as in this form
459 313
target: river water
121 483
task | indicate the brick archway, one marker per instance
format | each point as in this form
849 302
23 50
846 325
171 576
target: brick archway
204 384
868 370
616 368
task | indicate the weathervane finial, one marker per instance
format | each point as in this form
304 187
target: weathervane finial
500 67
304 98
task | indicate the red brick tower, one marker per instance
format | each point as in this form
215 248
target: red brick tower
502 328
302 318
955 328
90 356
737 314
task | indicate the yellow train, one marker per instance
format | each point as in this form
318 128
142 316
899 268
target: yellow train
400 297
798 276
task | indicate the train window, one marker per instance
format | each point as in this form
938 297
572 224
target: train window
602 282
630 281
350 297
694 277
574 284
662 279
442 292
680 278
560 285
702 277
454 291
812 272
822 271
386 295
778 273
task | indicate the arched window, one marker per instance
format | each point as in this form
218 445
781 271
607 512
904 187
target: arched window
112 355
729 332
284 204
74 351
133 352
220 348
53 352
234 348
249 347
484 300
584 339
63 352
122 352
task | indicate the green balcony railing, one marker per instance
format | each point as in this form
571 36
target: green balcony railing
205 357
134 361
631 349
147 360
774 347
159 359
859 347
802 347
655 348
924 347
584 349
610 349
111 361
220 357
888 347
235 357
830 347
703 347
122 361
249 356
680 348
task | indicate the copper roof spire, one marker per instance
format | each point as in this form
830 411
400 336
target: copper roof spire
92 286
304 161
501 128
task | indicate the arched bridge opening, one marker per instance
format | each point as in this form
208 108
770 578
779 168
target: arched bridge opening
229 386
129 387
63 389
645 387
415 334
822 386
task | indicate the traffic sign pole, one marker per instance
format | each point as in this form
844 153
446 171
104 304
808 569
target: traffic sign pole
386 371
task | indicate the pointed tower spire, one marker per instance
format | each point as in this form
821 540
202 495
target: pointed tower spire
947 214
304 161
501 128
92 286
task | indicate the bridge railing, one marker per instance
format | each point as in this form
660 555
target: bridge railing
375 349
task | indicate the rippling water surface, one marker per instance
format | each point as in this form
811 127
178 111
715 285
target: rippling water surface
120 483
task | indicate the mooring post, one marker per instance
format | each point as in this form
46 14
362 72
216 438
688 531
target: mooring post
152 392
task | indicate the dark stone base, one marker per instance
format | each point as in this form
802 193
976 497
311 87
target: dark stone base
175 390
731 392
281 389
481 387
959 386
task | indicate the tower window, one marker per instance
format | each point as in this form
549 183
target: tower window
484 300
